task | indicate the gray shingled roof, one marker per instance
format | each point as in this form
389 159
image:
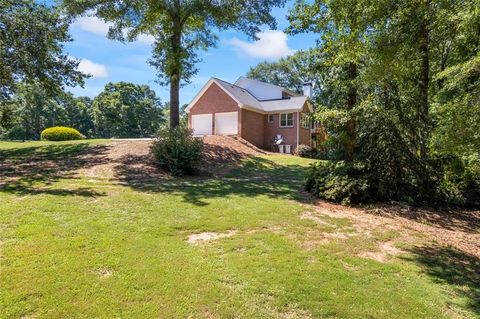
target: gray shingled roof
247 99
242 95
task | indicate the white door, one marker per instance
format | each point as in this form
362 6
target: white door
202 124
226 123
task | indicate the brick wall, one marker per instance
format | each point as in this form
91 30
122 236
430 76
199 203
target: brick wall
214 100
272 129
252 127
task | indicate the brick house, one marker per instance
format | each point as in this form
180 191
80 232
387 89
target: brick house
253 110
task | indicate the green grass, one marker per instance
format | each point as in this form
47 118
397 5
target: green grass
84 247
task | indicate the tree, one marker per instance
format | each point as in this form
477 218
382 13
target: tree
127 110
32 36
180 28
77 112
292 72
342 26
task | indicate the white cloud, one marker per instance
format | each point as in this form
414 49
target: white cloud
95 70
99 27
93 25
146 39
271 44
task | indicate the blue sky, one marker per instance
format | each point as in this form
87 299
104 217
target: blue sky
112 61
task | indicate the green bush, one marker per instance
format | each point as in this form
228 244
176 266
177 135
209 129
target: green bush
339 182
304 150
60 133
177 151
460 180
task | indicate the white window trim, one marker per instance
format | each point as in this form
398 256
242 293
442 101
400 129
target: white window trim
280 120
304 120
268 118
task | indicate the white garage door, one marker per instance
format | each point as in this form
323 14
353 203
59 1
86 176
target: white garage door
202 124
226 123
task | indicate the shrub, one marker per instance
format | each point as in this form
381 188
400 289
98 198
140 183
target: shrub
338 182
177 151
60 133
304 150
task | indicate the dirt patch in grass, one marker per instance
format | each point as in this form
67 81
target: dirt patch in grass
385 252
411 230
103 272
131 162
196 239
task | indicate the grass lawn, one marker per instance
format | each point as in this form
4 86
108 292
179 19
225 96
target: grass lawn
83 246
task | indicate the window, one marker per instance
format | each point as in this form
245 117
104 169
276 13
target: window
270 118
286 119
304 121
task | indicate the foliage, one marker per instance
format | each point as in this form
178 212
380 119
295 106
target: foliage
400 82
339 182
304 150
40 59
126 110
122 109
31 110
292 72
177 151
180 29
60 133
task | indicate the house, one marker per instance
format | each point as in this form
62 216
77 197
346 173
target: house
253 110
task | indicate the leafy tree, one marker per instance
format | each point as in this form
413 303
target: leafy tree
77 112
415 88
342 26
180 28
292 72
127 110
32 36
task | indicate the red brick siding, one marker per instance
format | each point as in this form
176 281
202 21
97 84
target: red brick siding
252 127
290 133
272 129
214 100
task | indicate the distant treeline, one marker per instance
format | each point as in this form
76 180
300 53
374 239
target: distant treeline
120 110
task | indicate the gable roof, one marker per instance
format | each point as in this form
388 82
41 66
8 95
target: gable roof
247 100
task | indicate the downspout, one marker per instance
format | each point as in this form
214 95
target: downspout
298 128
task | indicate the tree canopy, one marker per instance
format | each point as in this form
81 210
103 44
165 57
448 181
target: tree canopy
399 94
32 36
180 28
127 110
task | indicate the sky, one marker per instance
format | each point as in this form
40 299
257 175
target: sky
111 61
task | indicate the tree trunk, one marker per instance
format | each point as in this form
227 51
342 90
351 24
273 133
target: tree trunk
351 102
176 73
423 107
174 101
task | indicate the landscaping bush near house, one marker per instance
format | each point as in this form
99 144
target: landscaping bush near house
177 151
338 182
60 133
304 150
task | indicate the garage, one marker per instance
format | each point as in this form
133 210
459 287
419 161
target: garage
202 124
226 123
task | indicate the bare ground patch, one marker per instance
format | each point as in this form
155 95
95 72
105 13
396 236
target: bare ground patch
413 231
199 238
385 252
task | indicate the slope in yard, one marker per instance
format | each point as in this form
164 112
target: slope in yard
92 229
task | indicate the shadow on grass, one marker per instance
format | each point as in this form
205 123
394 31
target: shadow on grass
455 220
453 267
254 177
31 170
